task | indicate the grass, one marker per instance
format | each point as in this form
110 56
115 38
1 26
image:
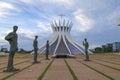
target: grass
71 71
46 69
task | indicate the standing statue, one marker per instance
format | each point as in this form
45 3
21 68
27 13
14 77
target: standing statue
12 39
86 45
35 45
47 50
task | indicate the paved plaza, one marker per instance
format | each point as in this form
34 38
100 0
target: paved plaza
100 67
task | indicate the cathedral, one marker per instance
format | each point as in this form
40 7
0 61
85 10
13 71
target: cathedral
62 44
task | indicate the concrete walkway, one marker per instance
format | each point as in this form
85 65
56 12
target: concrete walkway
107 64
58 71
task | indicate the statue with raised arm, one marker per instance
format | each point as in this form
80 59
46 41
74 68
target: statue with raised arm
86 45
12 38
35 45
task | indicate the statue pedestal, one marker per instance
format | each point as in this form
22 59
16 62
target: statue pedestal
12 70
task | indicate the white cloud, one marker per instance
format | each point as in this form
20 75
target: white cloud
44 27
2 13
5 7
21 31
66 3
27 1
42 30
85 22
27 33
3 33
94 46
114 17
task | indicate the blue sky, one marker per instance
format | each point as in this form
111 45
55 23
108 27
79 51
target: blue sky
93 19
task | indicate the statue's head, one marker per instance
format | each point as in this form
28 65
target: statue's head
85 39
15 28
47 41
36 36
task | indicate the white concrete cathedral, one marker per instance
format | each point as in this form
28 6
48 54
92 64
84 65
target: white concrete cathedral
62 43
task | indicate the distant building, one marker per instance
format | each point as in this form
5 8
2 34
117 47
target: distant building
104 48
109 47
98 50
116 47
4 50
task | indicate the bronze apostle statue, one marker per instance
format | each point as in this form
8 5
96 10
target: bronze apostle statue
86 45
35 45
47 50
12 38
